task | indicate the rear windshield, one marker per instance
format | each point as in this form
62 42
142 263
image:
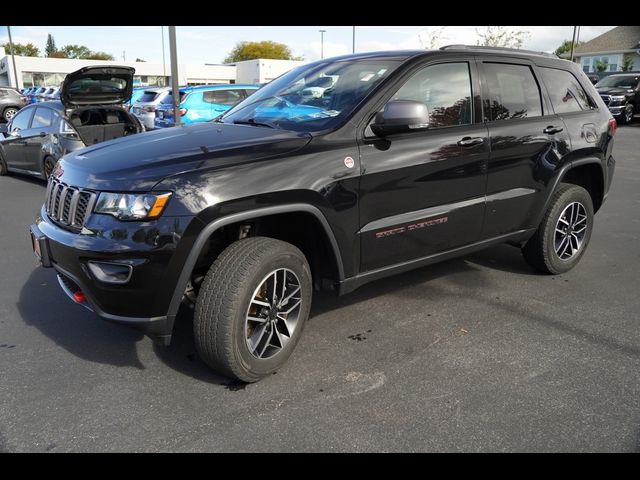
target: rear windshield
148 96
168 100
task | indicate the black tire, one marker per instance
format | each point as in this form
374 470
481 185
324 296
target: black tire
540 250
48 164
8 113
224 302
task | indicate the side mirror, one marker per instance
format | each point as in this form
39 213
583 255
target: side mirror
400 116
15 132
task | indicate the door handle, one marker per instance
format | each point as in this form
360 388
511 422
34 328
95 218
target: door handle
42 134
471 141
551 129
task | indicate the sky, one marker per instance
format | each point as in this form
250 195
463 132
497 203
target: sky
212 44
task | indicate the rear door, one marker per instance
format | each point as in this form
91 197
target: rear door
527 142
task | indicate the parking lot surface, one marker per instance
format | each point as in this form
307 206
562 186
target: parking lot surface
479 353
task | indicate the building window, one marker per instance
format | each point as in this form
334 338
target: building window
589 64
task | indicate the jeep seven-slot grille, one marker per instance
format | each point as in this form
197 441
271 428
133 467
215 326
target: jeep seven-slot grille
606 99
68 206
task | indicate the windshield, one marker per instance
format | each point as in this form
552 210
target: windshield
312 97
619 81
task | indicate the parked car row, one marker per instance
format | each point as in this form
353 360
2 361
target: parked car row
621 94
154 108
41 93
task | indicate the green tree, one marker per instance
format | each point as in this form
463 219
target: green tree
499 36
265 49
601 65
100 56
627 63
76 51
565 47
50 49
23 49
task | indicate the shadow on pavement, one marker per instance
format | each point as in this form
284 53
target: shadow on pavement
43 305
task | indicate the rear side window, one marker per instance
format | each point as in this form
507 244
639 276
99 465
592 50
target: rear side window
168 100
512 92
148 97
223 97
42 118
567 95
446 91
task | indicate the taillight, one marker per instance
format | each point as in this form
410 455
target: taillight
183 112
613 127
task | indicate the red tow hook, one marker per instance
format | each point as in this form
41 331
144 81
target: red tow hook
79 297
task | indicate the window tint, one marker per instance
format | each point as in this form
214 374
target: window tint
512 92
223 97
566 94
445 89
42 118
21 120
168 100
148 97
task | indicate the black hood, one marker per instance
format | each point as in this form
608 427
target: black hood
138 162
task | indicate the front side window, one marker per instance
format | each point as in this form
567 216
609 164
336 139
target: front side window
313 97
21 120
446 91
512 92
42 118
565 92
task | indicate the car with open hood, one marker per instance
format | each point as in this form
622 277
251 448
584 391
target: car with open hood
88 112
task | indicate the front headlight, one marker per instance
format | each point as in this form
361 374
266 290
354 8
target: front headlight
126 206
618 98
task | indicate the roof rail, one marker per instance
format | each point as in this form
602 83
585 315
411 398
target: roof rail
499 49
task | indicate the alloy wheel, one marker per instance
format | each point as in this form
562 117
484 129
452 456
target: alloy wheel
570 230
9 113
273 313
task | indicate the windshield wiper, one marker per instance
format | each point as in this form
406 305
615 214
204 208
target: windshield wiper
252 121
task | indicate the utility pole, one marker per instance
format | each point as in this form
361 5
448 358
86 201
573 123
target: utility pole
173 57
322 43
123 57
164 63
353 46
13 58
573 42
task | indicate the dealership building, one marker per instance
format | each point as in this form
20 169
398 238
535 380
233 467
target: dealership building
51 71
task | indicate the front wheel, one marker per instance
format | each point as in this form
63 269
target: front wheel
252 307
564 233
48 165
627 115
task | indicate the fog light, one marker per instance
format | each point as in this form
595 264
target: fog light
111 272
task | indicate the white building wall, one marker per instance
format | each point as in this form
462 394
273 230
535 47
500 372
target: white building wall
263 70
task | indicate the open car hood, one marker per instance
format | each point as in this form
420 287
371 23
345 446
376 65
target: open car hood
97 85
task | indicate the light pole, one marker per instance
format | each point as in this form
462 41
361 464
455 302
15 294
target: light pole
13 58
322 43
353 48
164 63
173 57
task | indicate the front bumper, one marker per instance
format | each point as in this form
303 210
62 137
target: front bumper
149 247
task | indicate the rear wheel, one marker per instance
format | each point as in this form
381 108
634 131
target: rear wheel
564 233
252 307
9 113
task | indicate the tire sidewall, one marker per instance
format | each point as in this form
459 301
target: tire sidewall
253 366
575 194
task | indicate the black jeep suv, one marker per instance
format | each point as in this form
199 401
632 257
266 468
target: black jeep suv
406 159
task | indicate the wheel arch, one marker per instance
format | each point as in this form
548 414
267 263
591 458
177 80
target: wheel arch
588 174
211 228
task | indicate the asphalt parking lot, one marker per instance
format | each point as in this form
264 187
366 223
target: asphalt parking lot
475 354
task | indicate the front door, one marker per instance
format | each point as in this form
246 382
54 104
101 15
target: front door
41 128
14 144
423 192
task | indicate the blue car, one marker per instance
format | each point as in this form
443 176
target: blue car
201 104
